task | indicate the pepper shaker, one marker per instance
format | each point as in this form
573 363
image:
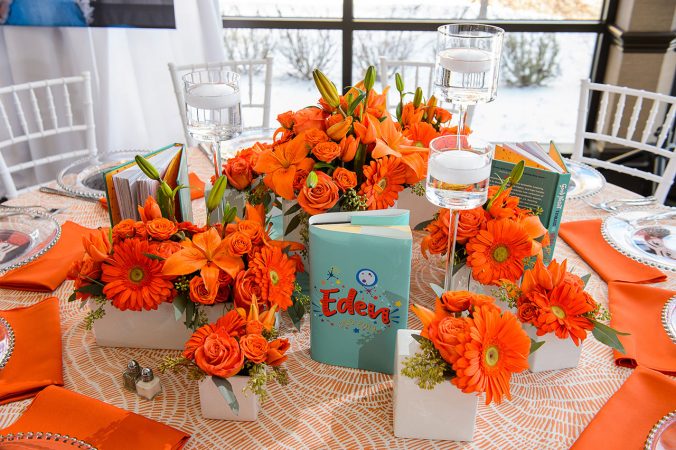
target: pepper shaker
149 385
131 375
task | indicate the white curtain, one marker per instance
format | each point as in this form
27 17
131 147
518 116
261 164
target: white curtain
134 102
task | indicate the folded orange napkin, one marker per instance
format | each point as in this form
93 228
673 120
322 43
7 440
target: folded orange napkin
586 239
99 424
196 186
626 419
637 309
35 361
48 271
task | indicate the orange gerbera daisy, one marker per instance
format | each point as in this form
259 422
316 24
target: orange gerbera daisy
134 281
275 273
496 346
562 312
497 252
421 134
384 179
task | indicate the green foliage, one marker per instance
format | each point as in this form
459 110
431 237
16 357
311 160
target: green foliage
182 284
260 375
95 314
182 365
608 336
427 366
419 188
352 201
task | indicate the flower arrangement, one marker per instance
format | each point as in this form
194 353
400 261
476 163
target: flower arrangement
138 265
348 153
468 340
239 343
495 239
553 300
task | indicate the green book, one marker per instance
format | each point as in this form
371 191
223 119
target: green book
543 187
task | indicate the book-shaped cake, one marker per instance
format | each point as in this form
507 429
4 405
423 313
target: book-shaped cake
543 186
359 286
128 187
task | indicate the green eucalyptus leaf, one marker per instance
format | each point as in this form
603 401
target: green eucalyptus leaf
72 297
608 336
180 303
293 224
534 345
225 388
296 312
422 225
294 209
585 279
153 256
417 337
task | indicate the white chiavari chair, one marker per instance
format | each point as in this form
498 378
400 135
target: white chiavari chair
22 120
636 133
248 67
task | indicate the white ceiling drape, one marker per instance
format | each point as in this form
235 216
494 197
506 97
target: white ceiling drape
134 103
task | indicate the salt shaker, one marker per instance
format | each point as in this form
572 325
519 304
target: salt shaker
131 375
149 385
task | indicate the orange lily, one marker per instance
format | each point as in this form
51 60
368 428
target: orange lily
348 148
534 229
366 130
281 163
392 142
255 213
209 254
545 277
150 210
411 115
266 318
97 245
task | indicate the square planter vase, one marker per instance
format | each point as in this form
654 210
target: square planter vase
146 329
214 406
555 354
444 413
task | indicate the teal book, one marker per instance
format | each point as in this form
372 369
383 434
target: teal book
543 187
360 271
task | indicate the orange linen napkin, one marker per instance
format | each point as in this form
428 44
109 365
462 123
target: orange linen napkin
101 425
48 271
637 309
196 186
586 239
626 419
36 359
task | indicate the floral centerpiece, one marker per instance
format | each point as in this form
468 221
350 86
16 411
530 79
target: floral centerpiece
553 303
238 354
494 240
143 265
467 345
347 153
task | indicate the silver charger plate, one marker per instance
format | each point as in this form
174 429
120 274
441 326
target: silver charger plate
42 441
585 181
669 318
663 435
247 139
6 342
652 242
84 176
24 236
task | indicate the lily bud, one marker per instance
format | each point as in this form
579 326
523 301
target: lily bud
417 98
312 180
229 214
432 102
147 168
516 173
339 130
326 88
166 190
399 82
370 78
216 193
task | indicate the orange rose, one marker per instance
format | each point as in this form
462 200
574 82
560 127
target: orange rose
140 230
299 179
252 153
245 288
199 292
441 115
470 222
239 243
300 267
326 151
238 171
446 333
344 179
527 311
219 355
286 119
189 227
315 136
197 340
320 198
456 301
437 241
97 245
254 347
123 230
252 229
307 119
82 272
164 249
225 282
150 210
161 229
254 327
276 352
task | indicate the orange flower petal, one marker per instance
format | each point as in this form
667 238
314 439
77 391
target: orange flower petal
183 262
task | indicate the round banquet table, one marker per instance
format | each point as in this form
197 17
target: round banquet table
326 406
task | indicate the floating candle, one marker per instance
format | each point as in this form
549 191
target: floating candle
459 167
212 96
465 60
